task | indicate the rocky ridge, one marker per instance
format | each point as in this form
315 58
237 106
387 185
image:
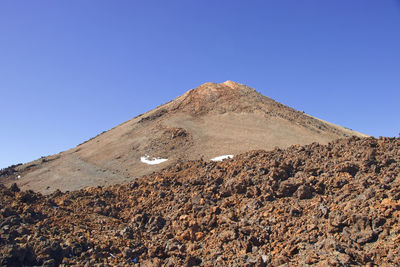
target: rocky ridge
322 205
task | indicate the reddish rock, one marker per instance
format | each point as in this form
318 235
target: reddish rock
301 205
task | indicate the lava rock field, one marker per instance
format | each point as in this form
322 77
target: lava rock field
322 205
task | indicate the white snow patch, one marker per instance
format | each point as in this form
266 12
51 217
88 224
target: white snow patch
221 158
152 161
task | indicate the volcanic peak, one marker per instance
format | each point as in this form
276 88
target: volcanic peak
225 88
211 120
216 97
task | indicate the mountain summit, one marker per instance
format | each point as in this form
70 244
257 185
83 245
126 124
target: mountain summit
217 98
214 120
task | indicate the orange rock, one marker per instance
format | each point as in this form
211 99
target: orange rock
186 235
199 235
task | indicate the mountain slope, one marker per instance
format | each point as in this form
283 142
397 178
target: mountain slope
208 121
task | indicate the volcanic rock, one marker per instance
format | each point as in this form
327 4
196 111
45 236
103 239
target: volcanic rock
283 217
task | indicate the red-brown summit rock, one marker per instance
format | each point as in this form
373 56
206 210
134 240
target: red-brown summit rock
217 98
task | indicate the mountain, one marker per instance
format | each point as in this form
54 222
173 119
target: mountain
319 205
209 121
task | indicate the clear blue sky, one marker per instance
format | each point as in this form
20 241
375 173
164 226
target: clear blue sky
72 69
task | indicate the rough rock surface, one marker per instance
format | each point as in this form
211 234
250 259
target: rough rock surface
323 205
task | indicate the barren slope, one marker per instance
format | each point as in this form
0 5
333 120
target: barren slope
209 121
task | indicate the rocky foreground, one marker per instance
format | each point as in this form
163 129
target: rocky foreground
335 205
